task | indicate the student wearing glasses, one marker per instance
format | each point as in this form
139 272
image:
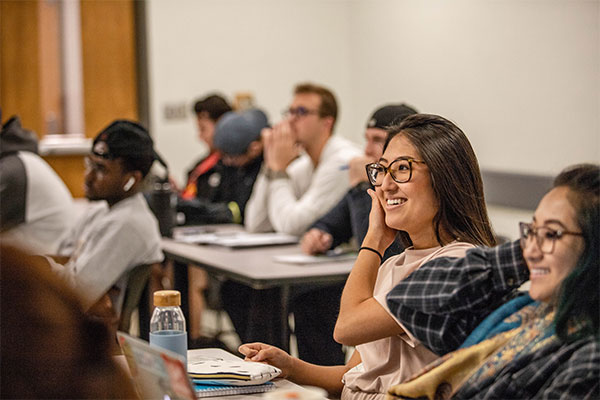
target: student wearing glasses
416 196
301 179
543 349
303 176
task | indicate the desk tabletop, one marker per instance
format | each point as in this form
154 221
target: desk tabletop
282 384
256 266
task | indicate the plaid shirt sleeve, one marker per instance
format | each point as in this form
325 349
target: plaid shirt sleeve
445 299
577 378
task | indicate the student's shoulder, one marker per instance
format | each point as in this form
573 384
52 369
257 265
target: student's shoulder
342 148
454 249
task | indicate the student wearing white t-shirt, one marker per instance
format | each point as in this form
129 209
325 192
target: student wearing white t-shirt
428 189
303 176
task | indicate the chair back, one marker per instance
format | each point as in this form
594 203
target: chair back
136 282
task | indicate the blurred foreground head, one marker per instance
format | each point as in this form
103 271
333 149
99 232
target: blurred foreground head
50 348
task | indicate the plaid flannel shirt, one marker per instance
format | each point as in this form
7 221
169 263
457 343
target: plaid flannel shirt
556 371
446 298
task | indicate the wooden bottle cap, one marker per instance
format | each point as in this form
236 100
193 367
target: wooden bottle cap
167 298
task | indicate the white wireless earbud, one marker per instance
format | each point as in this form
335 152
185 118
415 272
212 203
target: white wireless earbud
129 184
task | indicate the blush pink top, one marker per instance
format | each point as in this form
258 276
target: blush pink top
393 359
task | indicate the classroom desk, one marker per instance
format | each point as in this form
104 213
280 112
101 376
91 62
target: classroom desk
280 384
253 267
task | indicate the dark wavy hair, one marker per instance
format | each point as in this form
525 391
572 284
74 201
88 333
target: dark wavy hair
455 178
579 300
214 105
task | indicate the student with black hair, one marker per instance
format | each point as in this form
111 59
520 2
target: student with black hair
121 232
417 198
204 184
544 345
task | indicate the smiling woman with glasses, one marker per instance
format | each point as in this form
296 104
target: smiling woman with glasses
541 345
416 197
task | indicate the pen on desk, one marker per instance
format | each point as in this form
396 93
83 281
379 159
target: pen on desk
344 167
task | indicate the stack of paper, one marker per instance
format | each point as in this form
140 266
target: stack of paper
218 377
239 239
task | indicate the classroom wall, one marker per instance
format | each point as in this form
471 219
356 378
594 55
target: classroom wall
261 46
522 78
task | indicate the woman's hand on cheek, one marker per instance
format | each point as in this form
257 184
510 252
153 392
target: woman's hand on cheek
379 234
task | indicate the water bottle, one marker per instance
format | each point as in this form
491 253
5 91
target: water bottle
163 202
167 325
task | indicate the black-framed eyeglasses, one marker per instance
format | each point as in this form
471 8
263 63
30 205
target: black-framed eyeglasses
298 112
544 237
400 170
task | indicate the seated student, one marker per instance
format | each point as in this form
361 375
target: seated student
36 207
553 350
121 233
294 190
237 138
415 193
50 348
348 219
290 193
204 184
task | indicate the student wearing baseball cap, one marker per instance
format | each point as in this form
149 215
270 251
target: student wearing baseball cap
119 232
229 184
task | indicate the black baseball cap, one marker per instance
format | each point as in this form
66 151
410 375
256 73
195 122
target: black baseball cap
389 115
128 140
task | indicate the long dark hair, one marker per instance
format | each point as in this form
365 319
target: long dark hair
579 301
455 178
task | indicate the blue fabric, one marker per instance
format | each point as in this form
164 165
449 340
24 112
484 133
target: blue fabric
498 321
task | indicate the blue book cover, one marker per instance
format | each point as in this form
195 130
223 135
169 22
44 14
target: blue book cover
204 390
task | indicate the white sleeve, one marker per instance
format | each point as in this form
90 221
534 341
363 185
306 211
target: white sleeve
256 217
292 215
101 260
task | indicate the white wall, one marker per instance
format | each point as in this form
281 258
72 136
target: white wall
522 78
262 46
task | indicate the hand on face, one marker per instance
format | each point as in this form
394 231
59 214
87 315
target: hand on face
356 171
280 146
260 352
379 235
315 241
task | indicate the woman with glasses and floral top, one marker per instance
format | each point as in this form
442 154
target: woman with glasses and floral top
428 189
541 345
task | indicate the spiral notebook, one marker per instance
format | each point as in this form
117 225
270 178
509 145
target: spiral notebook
216 376
203 390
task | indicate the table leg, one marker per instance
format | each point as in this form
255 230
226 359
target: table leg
180 283
285 327
144 313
